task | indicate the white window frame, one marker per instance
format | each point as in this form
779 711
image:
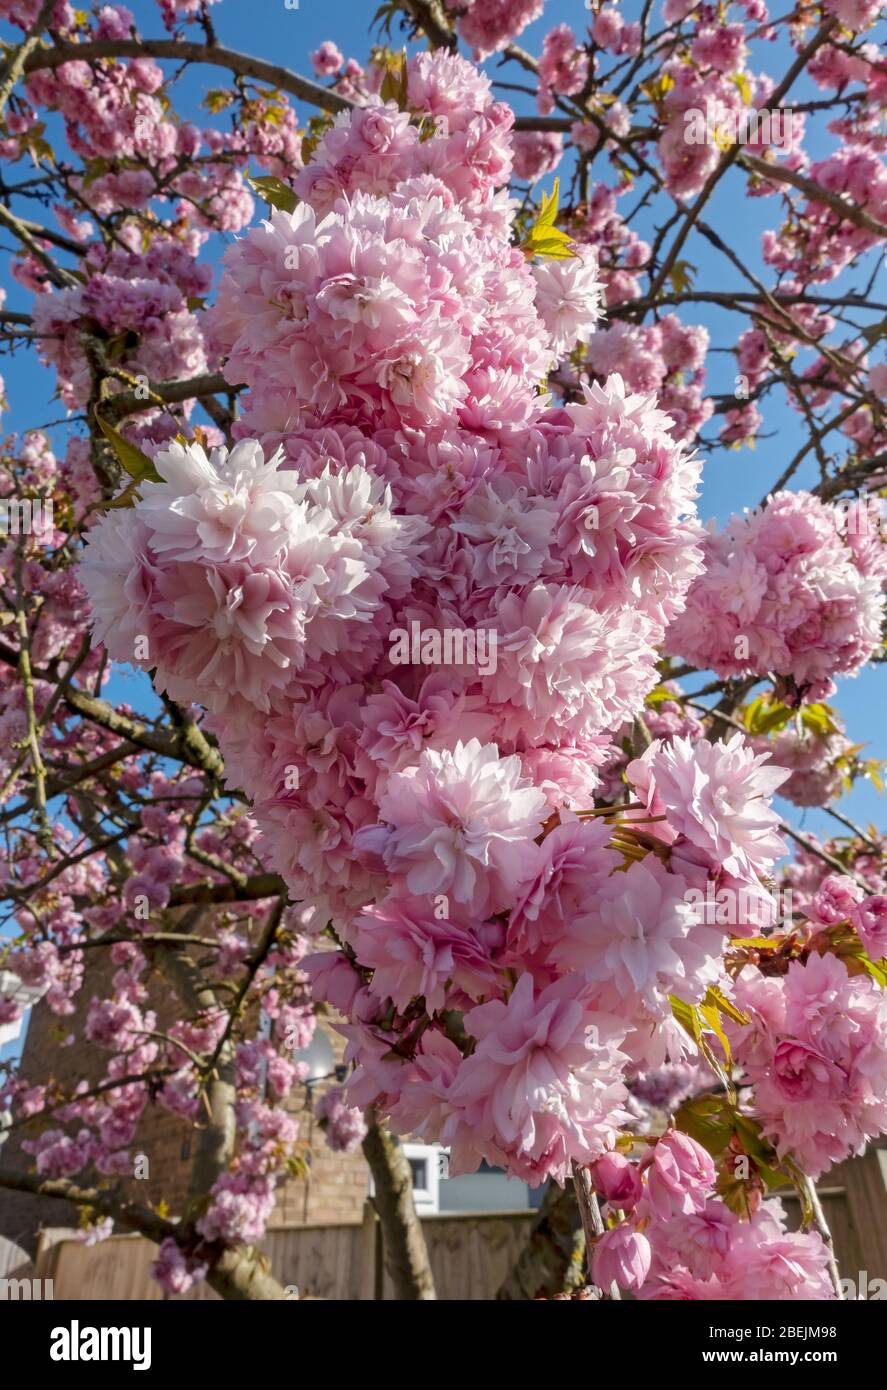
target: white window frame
427 1195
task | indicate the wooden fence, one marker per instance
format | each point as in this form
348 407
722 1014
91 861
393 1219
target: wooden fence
470 1255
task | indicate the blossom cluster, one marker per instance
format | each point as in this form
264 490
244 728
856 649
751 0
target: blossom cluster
447 445
488 25
786 591
678 1241
393 347
816 762
815 1054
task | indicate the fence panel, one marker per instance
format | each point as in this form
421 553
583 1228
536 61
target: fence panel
470 1254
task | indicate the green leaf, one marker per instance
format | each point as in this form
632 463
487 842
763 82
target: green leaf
384 16
659 694
764 715
679 276
708 1120
697 1019
94 170
548 211
394 83
717 999
128 497
555 246
274 191
876 968
660 87
544 238
712 1017
131 459
217 100
736 1193
819 719
753 1143
687 1016
742 82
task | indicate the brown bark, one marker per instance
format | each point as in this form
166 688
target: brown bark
183 51
405 1251
234 1274
553 1258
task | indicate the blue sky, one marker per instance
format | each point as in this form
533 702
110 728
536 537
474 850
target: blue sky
731 479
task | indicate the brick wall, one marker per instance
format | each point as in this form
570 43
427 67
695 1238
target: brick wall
336 1185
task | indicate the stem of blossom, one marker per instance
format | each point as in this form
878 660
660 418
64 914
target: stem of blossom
44 833
62 783
255 887
103 1202
822 1226
136 1079
191 746
406 1253
256 960
823 854
851 825
64 243
592 1221
809 444
784 320
787 829
641 737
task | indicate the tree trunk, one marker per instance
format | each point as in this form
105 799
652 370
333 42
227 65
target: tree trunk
553 1258
403 1241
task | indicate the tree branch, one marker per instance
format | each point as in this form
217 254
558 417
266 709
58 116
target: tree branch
406 1254
184 51
61 278
430 17
778 173
166 393
254 887
553 1258
731 155
234 1274
15 64
822 1227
